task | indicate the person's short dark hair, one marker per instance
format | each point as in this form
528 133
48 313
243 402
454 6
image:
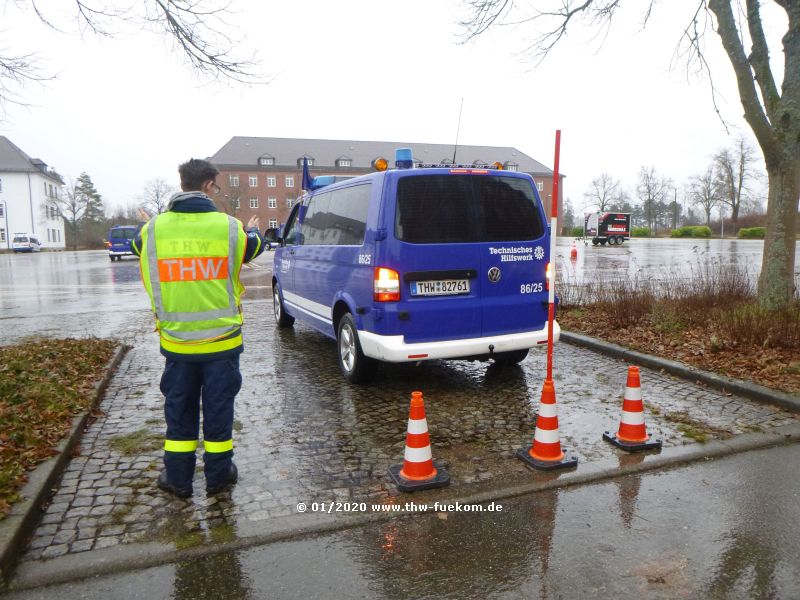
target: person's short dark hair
195 172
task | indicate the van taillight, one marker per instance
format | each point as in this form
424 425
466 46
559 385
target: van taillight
547 277
387 285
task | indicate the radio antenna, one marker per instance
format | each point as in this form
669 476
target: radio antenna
458 129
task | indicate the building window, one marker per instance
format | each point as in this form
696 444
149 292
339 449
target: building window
272 203
289 203
2 209
266 161
234 203
2 235
272 181
509 166
252 180
289 181
58 231
273 223
308 158
233 180
1 185
343 162
48 235
253 202
540 186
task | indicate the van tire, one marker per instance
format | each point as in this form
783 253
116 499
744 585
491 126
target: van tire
355 367
283 320
513 357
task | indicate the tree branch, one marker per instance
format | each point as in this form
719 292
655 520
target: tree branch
759 60
731 42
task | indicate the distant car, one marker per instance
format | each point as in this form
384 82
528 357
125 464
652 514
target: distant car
119 241
24 242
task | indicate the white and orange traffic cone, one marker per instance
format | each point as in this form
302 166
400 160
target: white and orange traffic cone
546 452
417 471
573 254
632 433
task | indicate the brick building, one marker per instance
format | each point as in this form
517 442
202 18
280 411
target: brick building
263 175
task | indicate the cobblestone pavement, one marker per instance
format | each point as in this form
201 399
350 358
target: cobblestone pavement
302 434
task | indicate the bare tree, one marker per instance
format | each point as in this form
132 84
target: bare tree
704 192
72 207
735 171
155 195
195 27
603 191
652 192
773 113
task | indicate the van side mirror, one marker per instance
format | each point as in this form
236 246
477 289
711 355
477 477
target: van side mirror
271 235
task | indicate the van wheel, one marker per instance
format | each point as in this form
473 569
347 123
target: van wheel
513 357
281 318
355 367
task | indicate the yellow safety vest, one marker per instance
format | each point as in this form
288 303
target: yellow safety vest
190 266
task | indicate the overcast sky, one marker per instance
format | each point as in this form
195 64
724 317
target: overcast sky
127 110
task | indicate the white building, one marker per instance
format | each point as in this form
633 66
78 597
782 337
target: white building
28 198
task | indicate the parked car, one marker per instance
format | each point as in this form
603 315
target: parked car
417 263
24 242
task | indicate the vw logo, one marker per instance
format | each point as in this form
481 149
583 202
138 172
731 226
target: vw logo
494 274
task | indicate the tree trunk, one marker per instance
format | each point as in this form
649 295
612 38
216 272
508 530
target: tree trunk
776 284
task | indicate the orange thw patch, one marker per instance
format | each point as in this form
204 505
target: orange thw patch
196 268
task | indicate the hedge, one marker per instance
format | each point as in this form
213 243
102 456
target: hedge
640 232
752 232
697 231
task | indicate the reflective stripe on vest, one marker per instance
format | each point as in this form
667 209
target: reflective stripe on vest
198 268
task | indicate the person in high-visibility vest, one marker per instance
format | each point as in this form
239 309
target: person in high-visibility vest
190 258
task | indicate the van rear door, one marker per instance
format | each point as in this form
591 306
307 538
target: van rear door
513 255
438 258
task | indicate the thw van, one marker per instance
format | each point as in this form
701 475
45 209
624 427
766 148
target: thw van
417 263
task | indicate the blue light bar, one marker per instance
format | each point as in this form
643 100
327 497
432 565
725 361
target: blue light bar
403 158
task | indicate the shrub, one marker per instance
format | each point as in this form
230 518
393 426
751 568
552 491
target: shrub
697 231
752 232
640 232
577 232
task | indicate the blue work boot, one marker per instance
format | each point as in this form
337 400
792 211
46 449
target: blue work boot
164 484
233 476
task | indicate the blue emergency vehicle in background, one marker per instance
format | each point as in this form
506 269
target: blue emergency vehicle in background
417 263
119 241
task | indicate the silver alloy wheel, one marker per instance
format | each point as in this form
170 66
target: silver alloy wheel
347 348
276 303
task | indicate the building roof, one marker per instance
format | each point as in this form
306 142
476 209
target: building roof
14 160
246 151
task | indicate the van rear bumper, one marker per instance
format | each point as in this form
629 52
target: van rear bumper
392 348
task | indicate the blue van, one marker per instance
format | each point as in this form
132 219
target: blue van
417 263
119 241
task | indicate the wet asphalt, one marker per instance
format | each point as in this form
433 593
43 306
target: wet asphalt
718 529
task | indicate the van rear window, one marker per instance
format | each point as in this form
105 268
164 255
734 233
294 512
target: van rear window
452 209
123 234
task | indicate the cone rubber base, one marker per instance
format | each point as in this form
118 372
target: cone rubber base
547 465
441 479
631 446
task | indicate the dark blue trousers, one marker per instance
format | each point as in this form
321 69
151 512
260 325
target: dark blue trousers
184 384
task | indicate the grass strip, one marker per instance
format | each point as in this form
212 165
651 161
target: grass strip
44 384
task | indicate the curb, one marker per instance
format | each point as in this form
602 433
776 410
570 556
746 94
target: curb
746 389
132 557
25 514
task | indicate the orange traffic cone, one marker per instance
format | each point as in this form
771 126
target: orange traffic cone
417 471
546 451
573 254
632 434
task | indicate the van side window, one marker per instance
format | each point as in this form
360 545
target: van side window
508 209
347 219
315 221
290 230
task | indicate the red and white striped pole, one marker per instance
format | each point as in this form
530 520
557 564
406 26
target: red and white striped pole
546 452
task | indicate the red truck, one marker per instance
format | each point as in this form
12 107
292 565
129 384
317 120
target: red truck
611 227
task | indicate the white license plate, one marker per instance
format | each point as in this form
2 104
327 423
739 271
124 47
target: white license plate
440 287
